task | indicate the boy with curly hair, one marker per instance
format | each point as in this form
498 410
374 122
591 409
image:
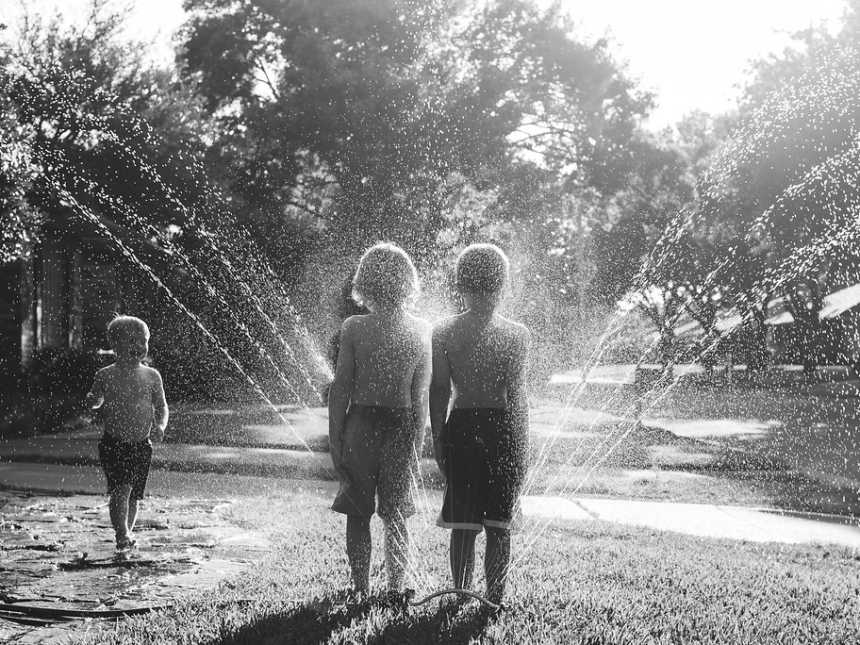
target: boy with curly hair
479 371
377 411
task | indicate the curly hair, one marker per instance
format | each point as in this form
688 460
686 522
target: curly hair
123 327
385 277
482 268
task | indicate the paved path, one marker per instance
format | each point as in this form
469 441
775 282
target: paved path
89 480
81 448
703 520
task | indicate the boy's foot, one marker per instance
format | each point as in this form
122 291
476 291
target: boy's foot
126 544
397 600
356 596
493 611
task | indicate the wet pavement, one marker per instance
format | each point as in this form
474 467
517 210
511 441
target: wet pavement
58 553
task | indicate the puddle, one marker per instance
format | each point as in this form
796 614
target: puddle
58 552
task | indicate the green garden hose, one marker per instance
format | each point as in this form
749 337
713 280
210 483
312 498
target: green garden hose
462 592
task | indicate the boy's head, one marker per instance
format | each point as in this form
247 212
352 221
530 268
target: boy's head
385 278
482 271
128 337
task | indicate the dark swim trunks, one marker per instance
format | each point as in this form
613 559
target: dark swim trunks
485 465
378 460
125 463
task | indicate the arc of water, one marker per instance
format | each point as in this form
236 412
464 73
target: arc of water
536 534
658 254
574 453
129 254
570 399
562 468
248 292
418 483
142 127
213 292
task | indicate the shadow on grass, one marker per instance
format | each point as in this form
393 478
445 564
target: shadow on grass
452 623
311 623
320 619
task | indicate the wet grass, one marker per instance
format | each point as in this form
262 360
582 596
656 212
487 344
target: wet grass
578 583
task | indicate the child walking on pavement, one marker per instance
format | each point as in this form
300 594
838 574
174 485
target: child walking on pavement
131 398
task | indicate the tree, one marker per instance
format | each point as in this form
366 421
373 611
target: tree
18 223
786 184
116 148
387 108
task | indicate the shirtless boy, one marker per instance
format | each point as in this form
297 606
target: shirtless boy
131 398
479 367
377 411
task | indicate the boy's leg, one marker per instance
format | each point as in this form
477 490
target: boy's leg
132 513
396 551
141 461
463 557
496 562
398 476
119 507
358 550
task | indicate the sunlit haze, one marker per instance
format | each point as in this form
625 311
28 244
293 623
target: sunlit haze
692 55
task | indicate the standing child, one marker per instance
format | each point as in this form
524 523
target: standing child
131 398
377 410
481 446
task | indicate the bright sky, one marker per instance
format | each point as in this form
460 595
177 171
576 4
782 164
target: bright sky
692 53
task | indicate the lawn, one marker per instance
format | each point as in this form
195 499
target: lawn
574 582
577 583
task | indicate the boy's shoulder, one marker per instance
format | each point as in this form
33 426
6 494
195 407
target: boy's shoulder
444 326
513 329
355 322
418 324
150 372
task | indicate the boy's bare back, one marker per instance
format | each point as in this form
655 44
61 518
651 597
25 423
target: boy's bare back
484 357
385 352
132 397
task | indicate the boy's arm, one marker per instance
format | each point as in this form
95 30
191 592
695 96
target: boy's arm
96 395
159 404
440 395
518 400
339 393
420 385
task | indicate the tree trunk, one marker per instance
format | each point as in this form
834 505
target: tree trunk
76 316
666 349
28 309
52 309
758 354
806 311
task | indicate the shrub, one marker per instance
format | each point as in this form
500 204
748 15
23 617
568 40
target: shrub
61 373
49 392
